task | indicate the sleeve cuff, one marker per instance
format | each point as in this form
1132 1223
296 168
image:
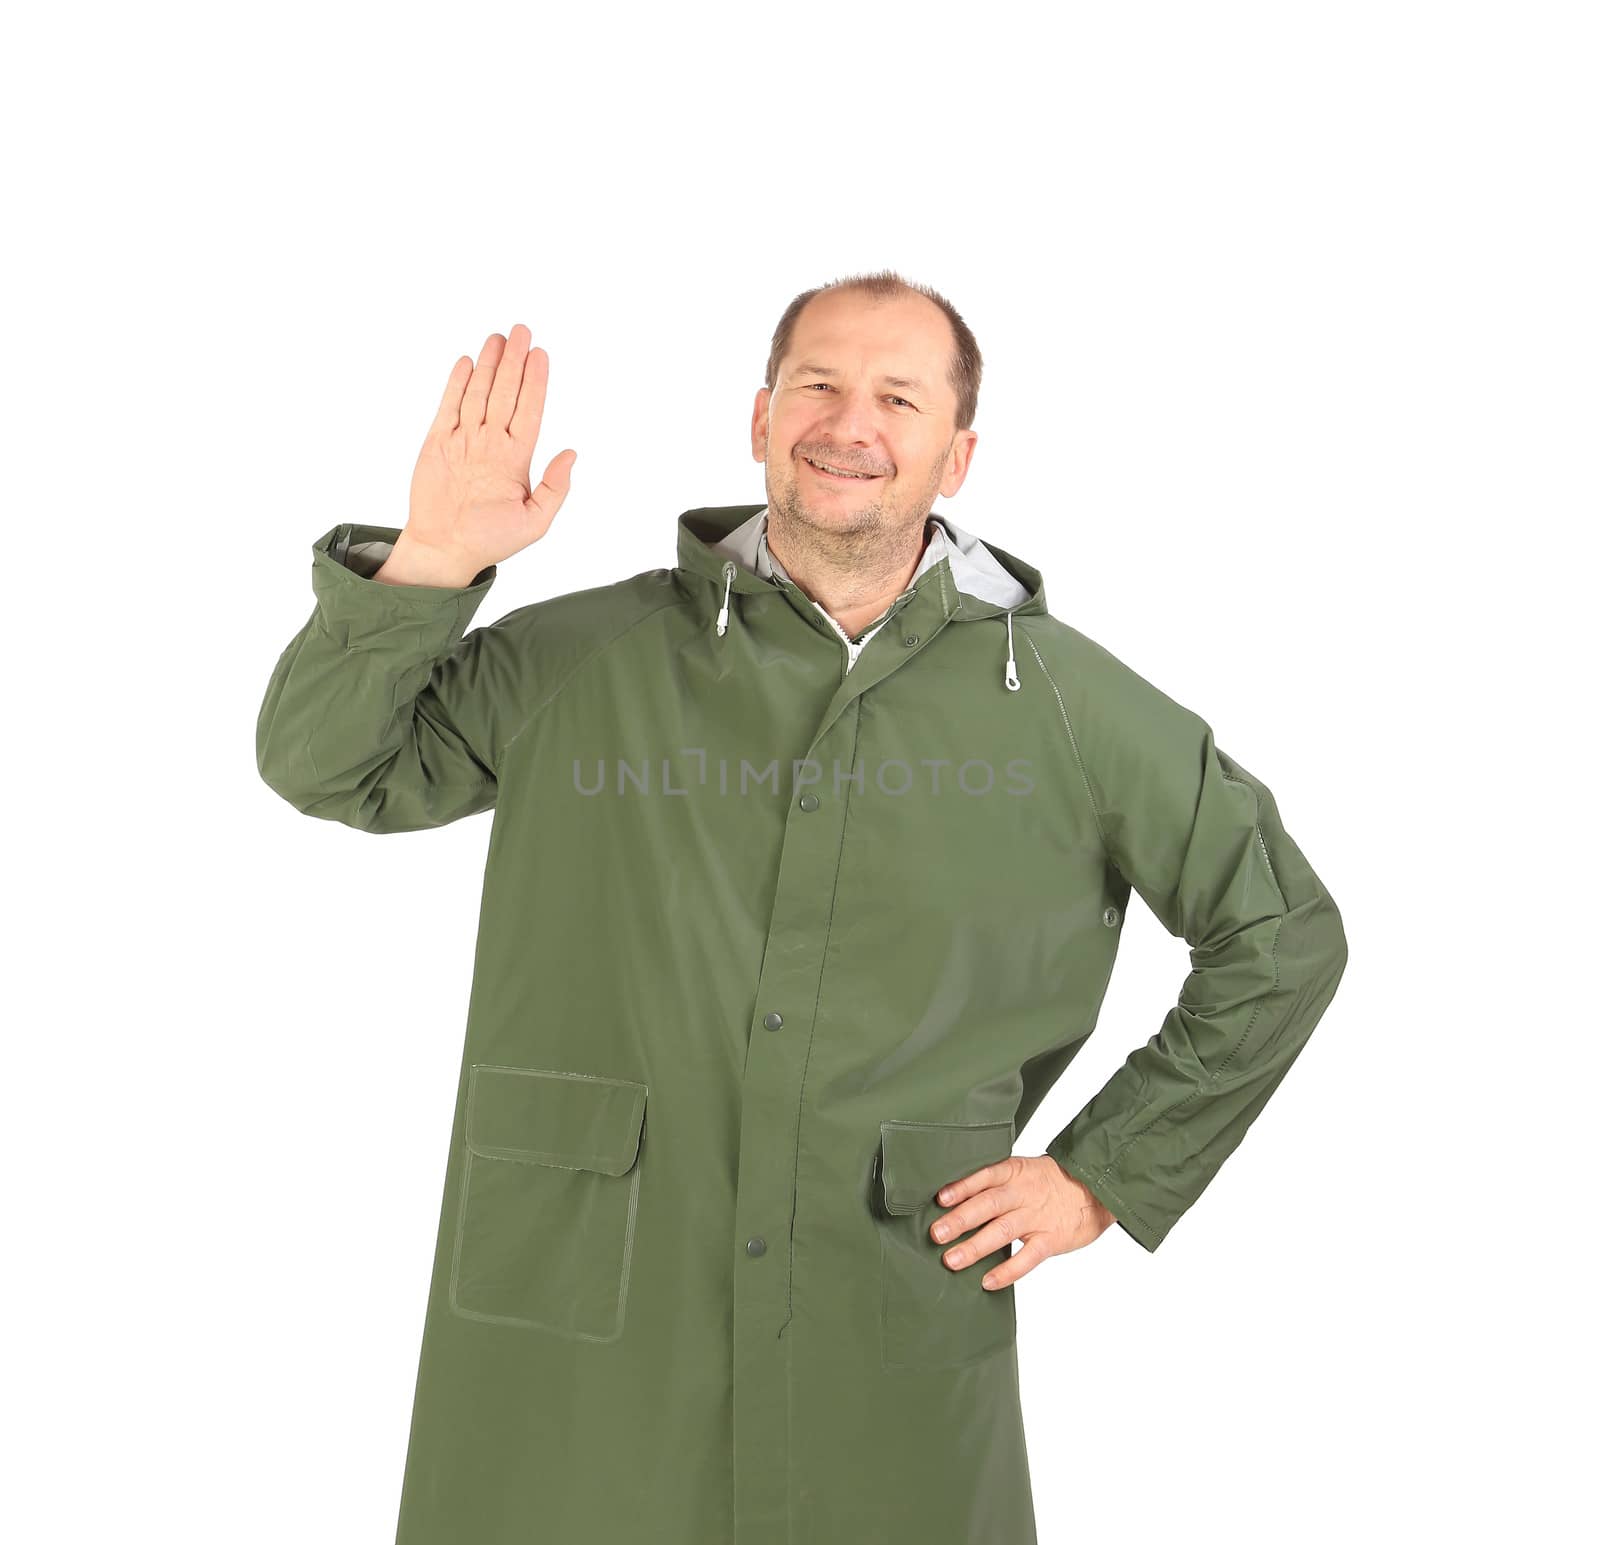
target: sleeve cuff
364 558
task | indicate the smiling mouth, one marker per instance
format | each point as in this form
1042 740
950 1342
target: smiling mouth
841 477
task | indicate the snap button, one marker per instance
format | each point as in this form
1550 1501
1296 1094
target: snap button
911 640
1109 917
808 801
756 1246
773 1021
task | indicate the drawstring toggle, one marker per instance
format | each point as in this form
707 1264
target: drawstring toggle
1012 683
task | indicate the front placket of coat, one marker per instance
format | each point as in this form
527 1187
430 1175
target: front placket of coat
779 1040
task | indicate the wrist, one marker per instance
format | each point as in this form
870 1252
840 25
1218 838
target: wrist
415 563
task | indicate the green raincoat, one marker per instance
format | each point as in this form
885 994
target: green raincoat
779 935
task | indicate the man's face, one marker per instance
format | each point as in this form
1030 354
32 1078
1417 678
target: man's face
864 387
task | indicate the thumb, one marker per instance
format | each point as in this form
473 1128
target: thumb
553 488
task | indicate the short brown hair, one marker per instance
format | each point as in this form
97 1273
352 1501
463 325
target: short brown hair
966 363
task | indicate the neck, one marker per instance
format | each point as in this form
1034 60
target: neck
854 585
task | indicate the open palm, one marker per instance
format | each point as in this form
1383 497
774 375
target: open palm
471 498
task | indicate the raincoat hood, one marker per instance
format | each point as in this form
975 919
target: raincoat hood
780 932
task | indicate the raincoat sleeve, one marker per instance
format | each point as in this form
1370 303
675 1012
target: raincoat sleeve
1201 841
383 712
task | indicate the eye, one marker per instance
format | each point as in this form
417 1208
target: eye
826 386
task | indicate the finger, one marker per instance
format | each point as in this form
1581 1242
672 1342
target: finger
978 1180
449 414
507 377
553 488
476 396
1019 1265
959 1190
999 1231
524 426
987 1203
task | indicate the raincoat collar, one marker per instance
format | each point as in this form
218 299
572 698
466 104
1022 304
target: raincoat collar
976 579
967 580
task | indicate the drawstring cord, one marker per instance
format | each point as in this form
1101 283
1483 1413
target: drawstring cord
1013 684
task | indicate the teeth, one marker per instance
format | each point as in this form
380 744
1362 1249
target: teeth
822 466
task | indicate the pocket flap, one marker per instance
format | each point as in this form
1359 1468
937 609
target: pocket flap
540 1116
921 1156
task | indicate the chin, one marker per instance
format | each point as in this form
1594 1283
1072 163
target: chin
840 517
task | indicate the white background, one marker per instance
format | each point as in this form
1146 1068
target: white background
1289 321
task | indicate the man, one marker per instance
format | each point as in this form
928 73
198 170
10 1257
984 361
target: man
809 862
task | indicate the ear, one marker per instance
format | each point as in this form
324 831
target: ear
758 425
958 461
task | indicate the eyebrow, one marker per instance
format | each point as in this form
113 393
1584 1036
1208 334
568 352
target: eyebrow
904 382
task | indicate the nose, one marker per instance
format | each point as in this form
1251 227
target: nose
849 417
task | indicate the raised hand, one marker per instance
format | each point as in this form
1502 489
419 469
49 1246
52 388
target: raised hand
471 501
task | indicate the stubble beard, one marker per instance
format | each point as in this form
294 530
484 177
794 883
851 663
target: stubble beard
866 535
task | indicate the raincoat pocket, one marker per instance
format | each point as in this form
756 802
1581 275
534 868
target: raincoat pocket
549 1193
933 1316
